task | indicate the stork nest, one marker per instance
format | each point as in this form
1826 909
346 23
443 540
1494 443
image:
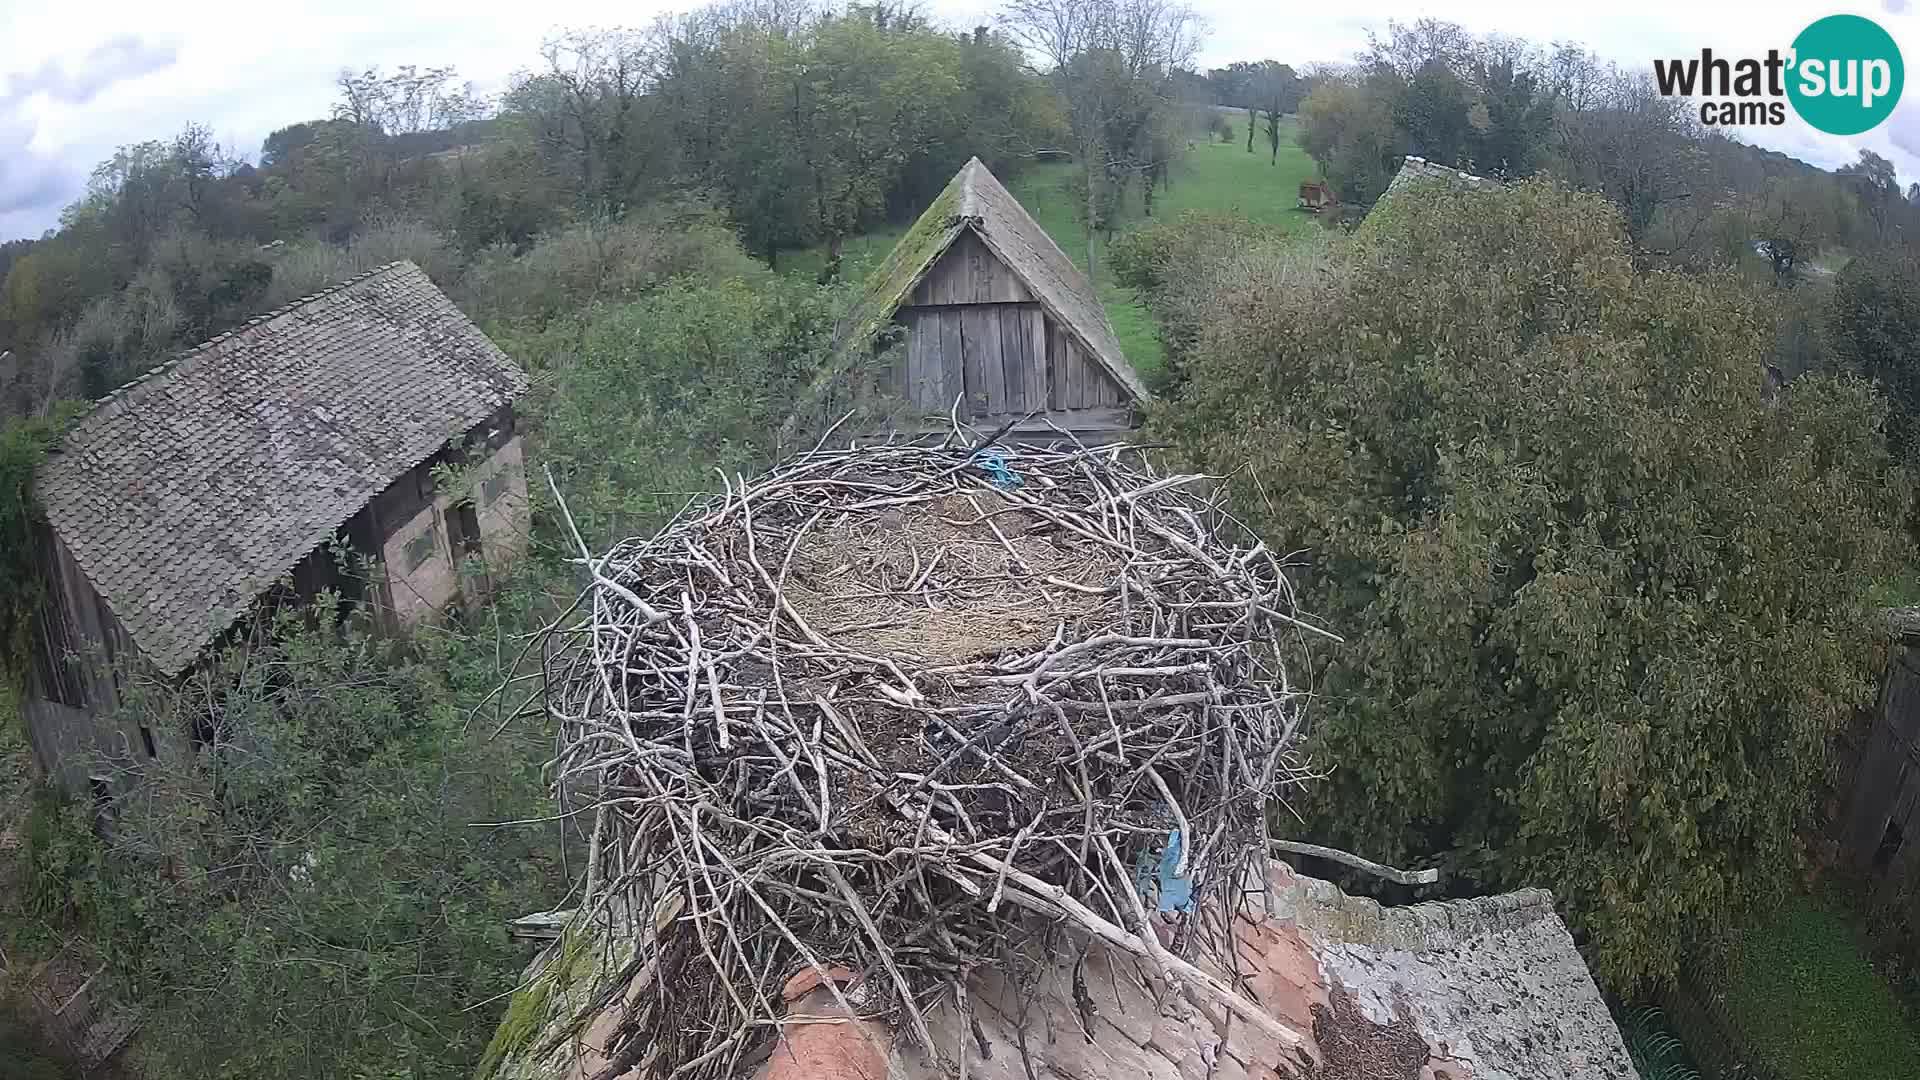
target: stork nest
893 710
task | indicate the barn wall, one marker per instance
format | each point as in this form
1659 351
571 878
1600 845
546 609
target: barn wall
1879 831
977 332
418 590
969 273
1003 359
62 741
413 509
73 690
500 493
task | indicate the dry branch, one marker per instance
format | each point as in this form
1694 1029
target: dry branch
841 712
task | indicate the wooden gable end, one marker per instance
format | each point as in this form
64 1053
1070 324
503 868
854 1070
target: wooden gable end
976 331
969 273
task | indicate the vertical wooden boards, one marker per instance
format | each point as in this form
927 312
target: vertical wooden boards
1056 369
1015 357
952 379
969 273
1102 389
1001 358
983 359
1038 368
923 355
1071 370
1077 380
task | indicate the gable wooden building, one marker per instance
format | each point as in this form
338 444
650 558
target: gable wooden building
994 322
186 499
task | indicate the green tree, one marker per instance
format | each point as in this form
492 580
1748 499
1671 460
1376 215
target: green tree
1346 125
1113 64
1635 146
1431 109
1873 327
324 854
1512 115
1591 642
1276 90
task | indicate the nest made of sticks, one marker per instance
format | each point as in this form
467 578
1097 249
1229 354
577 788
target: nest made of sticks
895 709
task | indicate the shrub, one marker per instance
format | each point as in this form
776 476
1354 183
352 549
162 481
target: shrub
312 265
605 262
643 400
1592 643
1197 269
1873 321
1655 1053
320 857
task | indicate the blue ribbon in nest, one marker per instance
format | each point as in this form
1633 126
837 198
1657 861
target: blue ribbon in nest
997 470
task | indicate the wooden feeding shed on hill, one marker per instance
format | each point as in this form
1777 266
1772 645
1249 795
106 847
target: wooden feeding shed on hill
986 316
218 483
1316 195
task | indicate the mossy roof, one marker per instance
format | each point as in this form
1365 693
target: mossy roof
975 199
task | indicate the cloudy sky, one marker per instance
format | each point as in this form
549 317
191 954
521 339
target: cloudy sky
78 79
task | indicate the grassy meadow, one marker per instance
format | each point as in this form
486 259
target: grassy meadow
1213 177
1805 999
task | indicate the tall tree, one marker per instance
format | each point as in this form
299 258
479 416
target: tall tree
1276 91
1591 643
1113 63
1635 145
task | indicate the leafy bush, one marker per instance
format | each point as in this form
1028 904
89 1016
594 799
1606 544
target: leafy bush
319 858
309 266
1655 1053
23 444
640 402
1874 327
1592 642
603 262
1197 269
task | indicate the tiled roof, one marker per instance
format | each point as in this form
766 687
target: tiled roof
1483 989
1415 169
975 199
184 494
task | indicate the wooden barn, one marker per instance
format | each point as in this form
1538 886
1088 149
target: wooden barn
1316 195
987 318
1878 827
219 483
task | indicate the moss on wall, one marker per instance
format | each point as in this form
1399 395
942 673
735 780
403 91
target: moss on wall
530 1009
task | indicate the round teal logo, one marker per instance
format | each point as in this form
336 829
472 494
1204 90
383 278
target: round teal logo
1846 75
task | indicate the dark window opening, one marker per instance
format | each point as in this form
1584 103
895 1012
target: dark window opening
1890 842
146 740
102 790
421 548
463 531
200 732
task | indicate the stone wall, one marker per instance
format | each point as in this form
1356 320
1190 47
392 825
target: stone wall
497 487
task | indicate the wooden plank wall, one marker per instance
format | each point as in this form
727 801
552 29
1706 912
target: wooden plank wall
1079 382
85 646
975 330
1879 826
1004 358
969 274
